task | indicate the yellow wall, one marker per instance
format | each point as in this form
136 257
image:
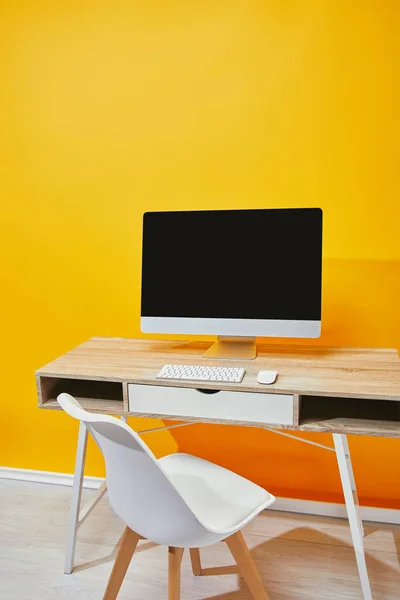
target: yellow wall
109 109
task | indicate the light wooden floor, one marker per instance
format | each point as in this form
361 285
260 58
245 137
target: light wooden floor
300 558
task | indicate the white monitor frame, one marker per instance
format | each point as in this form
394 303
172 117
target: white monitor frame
232 327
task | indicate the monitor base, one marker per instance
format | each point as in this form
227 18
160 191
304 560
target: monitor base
233 347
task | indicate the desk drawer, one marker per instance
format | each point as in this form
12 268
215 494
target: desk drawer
244 407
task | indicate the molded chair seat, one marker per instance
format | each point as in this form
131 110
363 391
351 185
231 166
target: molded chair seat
223 501
180 501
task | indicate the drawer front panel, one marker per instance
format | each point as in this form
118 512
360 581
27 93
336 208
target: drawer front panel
230 406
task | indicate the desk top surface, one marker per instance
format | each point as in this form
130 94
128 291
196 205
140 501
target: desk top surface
312 370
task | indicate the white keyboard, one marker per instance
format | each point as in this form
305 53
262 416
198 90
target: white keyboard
197 373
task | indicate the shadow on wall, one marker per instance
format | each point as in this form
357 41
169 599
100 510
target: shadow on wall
360 308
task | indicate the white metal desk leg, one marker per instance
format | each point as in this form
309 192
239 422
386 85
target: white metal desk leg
76 498
352 481
346 475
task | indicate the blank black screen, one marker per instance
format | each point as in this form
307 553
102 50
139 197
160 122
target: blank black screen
233 264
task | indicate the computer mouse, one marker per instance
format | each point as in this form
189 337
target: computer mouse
267 376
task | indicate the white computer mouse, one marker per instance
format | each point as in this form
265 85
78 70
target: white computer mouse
267 376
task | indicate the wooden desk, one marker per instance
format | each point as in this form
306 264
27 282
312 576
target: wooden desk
340 390
323 389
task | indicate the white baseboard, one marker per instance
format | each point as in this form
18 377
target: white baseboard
330 509
306 507
48 477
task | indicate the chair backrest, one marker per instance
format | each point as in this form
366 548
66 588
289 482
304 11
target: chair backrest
139 490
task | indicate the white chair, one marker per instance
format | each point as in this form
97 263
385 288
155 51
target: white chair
179 501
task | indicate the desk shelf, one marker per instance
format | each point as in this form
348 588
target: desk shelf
94 395
350 415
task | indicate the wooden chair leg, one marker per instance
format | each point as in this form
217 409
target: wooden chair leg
128 545
196 561
247 566
174 573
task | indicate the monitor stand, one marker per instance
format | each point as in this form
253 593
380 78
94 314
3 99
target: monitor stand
233 347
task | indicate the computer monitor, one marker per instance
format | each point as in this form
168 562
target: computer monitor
236 274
